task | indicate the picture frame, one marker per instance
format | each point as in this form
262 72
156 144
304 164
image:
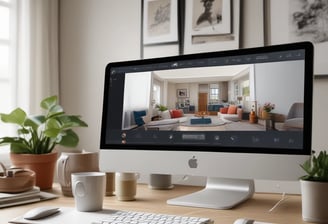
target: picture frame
210 17
286 22
181 93
160 21
218 36
187 102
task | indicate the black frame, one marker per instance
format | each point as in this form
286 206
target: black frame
308 94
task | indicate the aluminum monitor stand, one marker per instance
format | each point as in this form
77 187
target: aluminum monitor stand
219 193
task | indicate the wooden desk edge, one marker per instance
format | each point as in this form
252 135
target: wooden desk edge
257 208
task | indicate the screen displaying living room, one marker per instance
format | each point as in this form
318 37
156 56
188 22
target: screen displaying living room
225 103
216 98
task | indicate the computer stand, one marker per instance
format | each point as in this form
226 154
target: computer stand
219 193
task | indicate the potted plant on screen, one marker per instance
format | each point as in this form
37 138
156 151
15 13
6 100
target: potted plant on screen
37 137
161 107
267 108
314 188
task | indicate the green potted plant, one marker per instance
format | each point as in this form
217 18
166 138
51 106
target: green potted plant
314 188
161 107
38 135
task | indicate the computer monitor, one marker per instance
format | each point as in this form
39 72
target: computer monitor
205 115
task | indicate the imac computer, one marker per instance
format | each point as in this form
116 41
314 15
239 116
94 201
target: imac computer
232 116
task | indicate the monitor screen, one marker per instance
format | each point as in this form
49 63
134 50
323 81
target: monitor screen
198 114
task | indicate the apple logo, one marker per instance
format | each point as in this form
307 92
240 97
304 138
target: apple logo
192 162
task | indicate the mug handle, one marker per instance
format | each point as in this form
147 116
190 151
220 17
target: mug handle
79 189
61 168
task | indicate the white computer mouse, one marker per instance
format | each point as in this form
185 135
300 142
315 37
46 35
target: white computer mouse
40 212
243 221
248 221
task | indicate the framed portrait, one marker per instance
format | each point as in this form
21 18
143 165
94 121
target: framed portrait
160 21
300 20
211 25
182 93
209 17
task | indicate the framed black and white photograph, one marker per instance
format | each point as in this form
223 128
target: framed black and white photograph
300 20
308 20
160 21
210 17
211 25
182 93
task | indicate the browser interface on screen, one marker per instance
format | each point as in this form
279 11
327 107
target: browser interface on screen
216 103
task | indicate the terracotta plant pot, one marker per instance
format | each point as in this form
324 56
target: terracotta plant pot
42 164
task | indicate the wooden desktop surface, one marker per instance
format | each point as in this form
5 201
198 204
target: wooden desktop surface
257 208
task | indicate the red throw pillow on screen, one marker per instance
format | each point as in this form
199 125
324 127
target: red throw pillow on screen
176 113
232 109
224 110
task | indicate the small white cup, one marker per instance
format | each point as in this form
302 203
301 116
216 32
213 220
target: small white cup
88 190
126 186
160 181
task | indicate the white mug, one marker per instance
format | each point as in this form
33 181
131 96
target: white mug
88 190
126 186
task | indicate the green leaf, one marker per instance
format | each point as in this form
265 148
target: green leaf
69 121
69 138
52 132
51 105
8 140
17 144
34 121
23 131
306 166
316 167
20 148
17 116
77 122
54 111
53 123
49 102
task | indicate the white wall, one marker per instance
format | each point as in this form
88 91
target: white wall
283 79
93 33
320 111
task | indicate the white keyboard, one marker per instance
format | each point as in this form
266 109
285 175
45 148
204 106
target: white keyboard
130 217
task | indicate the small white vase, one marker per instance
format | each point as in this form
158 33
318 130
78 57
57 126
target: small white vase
314 201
